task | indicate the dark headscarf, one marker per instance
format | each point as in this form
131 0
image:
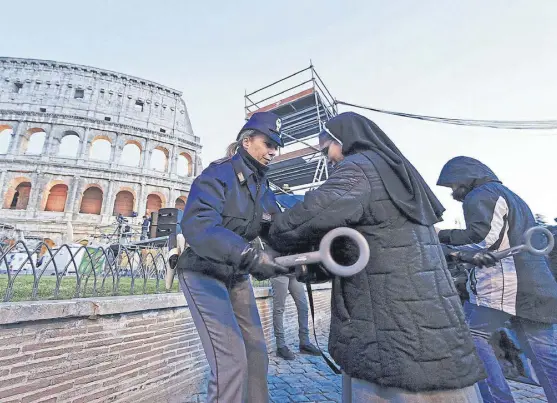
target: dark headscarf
405 186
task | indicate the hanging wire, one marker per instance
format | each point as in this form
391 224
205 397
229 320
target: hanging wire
495 124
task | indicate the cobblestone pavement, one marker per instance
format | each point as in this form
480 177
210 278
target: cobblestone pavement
527 393
306 379
309 379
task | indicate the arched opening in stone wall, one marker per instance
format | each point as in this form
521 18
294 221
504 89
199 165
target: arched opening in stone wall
123 204
159 159
57 198
20 200
131 154
154 203
33 143
69 145
184 167
17 194
92 201
101 148
180 203
5 138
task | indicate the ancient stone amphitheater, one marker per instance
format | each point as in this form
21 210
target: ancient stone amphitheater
80 144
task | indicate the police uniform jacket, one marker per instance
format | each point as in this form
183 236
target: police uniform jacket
229 206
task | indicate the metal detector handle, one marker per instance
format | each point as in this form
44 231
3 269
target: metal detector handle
324 256
298 259
528 247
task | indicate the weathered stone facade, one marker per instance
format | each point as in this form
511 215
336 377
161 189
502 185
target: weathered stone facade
51 116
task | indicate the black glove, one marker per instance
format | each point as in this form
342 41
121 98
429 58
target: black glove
261 263
312 273
477 258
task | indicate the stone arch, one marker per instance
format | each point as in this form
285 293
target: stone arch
69 144
101 148
184 167
6 134
23 190
136 142
124 202
45 191
92 200
131 153
33 141
56 198
159 159
180 202
155 201
17 195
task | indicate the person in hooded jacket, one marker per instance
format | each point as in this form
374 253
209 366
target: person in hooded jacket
229 206
519 288
397 329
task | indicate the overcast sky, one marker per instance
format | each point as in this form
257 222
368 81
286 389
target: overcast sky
477 59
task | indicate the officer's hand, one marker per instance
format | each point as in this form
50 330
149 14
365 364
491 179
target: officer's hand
480 259
313 273
175 253
261 264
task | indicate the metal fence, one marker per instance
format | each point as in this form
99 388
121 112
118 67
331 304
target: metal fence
75 270
39 271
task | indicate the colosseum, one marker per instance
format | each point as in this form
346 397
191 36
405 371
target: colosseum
81 145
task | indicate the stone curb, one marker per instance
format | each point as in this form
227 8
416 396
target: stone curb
29 311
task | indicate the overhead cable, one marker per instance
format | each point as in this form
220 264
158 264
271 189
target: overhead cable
495 124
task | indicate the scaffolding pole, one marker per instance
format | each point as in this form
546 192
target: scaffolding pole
304 104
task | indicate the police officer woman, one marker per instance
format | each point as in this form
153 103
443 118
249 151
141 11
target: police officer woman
229 206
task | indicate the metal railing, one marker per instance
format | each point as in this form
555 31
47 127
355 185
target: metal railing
77 271
40 272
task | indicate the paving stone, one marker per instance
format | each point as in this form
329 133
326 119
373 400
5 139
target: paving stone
290 378
295 391
316 397
299 398
312 390
279 392
329 389
333 396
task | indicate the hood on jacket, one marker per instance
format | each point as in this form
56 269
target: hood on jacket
467 172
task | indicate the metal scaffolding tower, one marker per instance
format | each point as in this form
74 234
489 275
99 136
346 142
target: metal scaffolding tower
303 103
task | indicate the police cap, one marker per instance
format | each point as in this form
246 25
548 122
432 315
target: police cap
267 123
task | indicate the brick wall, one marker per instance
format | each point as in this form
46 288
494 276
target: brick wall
123 349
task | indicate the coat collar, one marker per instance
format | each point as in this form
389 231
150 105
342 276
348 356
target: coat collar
246 176
240 168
